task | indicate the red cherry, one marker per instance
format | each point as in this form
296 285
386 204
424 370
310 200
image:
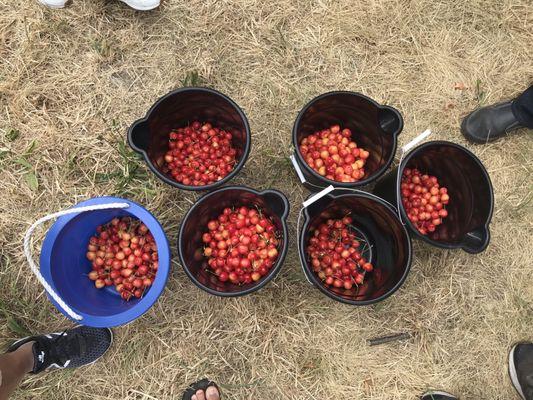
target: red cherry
199 156
330 153
334 256
245 244
423 200
120 248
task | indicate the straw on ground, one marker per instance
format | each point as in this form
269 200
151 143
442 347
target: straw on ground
72 81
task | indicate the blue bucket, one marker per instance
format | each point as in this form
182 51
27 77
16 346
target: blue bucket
64 266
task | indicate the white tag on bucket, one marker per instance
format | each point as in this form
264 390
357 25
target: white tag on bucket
297 168
416 140
317 196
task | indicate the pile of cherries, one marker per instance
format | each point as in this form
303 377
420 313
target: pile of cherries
424 200
241 245
123 253
333 154
334 254
199 154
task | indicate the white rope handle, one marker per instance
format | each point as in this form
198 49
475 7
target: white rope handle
33 265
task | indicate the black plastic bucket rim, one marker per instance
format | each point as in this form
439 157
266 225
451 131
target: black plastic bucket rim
279 262
412 229
315 280
351 185
172 182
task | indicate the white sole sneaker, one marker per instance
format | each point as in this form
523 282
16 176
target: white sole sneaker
513 375
53 3
141 5
13 347
439 393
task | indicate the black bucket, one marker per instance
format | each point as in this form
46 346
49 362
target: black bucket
374 127
149 135
190 245
388 245
469 187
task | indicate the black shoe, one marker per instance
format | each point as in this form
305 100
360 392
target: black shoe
69 349
521 369
437 395
489 123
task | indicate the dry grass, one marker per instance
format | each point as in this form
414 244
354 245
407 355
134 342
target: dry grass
71 82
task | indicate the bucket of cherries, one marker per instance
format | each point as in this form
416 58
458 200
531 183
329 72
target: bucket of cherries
233 240
344 139
193 138
443 194
353 246
104 262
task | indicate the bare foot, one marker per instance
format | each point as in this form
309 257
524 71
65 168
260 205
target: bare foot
210 394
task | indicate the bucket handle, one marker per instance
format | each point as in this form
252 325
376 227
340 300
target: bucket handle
310 201
306 204
302 177
405 149
28 252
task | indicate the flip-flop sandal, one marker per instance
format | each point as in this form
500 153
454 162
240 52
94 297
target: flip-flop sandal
200 385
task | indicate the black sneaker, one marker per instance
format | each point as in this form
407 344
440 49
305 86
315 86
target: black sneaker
437 395
72 348
521 369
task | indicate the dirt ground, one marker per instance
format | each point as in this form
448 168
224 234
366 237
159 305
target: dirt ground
73 80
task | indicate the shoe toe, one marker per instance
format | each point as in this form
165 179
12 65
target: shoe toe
142 5
97 342
524 350
475 128
54 3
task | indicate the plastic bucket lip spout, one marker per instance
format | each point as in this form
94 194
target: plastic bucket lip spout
470 188
64 265
375 127
190 245
376 221
148 136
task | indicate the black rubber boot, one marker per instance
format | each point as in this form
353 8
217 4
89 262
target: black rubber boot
489 123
